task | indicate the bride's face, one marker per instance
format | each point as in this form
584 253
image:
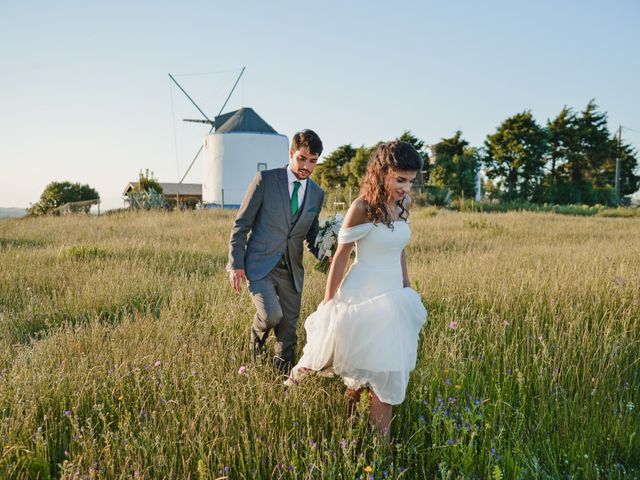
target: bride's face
399 183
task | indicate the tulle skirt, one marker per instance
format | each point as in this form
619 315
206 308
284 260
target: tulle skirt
368 334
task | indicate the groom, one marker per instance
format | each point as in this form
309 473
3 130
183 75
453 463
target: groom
280 209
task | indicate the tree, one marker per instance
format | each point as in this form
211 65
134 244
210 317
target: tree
629 180
329 173
57 194
515 155
456 165
354 170
586 166
563 140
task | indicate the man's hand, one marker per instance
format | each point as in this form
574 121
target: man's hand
237 278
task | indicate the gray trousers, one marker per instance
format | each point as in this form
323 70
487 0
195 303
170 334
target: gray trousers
277 305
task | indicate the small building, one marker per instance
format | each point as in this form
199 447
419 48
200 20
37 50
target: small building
176 195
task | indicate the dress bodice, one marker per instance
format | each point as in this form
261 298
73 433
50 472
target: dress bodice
376 244
377 267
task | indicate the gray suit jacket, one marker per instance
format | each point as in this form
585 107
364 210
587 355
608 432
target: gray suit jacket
266 213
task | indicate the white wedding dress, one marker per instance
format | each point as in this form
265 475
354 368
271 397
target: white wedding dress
368 333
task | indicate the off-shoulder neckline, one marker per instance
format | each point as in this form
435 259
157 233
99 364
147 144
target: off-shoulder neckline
376 224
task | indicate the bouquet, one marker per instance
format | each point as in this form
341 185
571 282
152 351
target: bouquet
327 241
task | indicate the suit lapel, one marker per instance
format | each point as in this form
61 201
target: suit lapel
283 194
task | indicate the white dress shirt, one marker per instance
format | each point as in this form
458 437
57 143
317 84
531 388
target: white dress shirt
303 186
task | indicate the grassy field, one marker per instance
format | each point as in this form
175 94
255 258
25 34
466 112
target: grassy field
121 347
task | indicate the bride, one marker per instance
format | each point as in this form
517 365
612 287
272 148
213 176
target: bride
366 329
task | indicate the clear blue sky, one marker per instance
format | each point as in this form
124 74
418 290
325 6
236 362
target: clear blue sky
85 96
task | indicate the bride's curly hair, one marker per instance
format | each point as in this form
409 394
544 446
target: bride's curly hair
387 158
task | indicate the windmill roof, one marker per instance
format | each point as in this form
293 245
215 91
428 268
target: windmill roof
243 120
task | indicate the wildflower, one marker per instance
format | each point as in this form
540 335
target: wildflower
242 370
493 451
447 381
506 323
451 442
313 444
226 469
368 469
453 325
157 363
67 413
343 443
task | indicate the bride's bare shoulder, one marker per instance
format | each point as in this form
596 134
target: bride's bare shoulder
357 214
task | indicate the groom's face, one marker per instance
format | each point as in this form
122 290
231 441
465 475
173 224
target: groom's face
302 162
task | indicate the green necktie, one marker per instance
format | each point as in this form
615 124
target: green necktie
294 197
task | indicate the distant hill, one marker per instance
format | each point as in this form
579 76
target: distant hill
12 212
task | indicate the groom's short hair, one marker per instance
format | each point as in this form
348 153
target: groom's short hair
307 138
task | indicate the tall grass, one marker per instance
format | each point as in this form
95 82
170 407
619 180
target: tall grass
121 347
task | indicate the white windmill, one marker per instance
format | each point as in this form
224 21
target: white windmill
238 144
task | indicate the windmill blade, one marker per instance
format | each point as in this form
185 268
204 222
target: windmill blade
190 99
208 122
232 89
193 161
212 123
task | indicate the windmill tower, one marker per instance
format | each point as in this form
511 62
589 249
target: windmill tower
239 144
242 145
